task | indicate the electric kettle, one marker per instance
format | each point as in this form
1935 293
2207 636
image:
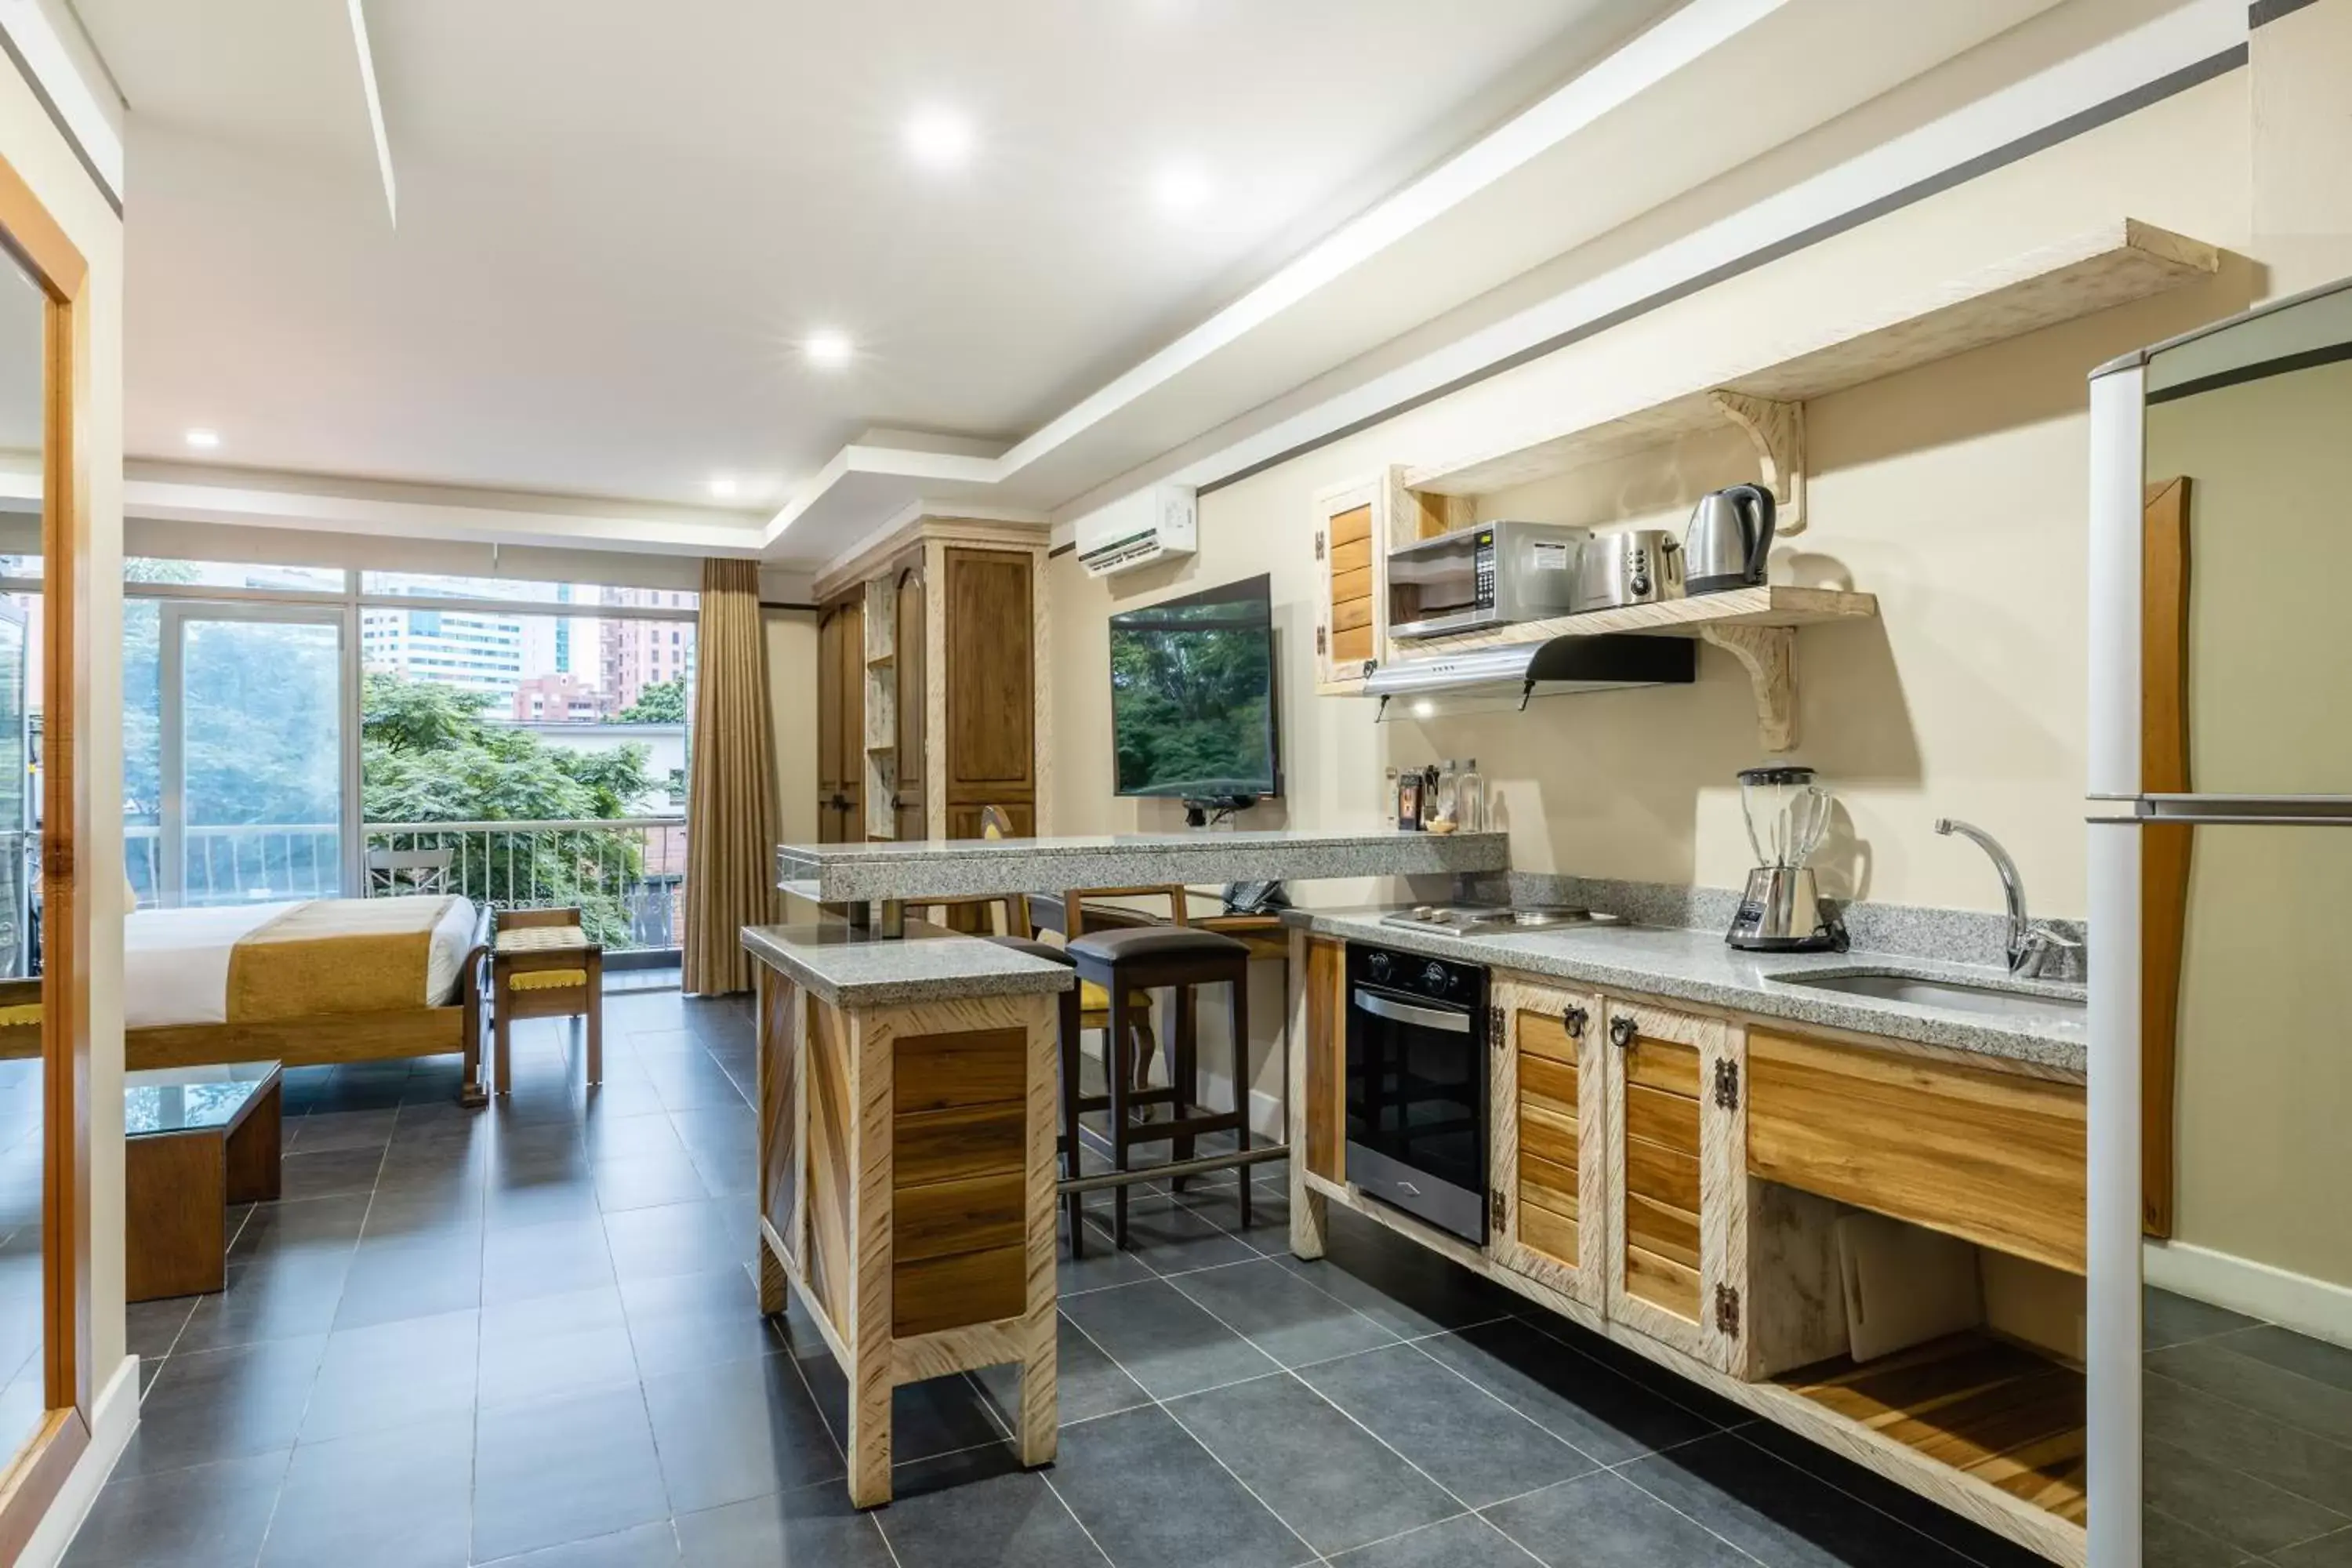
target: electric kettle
1729 536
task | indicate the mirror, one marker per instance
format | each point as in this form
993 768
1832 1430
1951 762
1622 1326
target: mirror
2246 993
22 1084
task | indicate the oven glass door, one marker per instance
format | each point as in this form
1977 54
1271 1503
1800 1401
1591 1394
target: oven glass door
1416 1085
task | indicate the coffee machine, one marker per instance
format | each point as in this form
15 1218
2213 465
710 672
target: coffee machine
1781 910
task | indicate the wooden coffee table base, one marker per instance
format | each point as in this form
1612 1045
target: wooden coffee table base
178 1187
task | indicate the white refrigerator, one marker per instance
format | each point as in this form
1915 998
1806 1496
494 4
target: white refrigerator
2219 1292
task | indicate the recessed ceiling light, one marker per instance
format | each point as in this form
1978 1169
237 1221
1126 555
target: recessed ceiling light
940 139
204 440
1182 187
723 486
828 348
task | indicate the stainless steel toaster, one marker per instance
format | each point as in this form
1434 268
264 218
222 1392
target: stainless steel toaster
1639 566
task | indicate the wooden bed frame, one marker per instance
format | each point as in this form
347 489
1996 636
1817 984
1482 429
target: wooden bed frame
319 1040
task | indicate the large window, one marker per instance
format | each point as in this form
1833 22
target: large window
293 733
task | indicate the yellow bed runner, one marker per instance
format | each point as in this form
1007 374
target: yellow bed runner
335 955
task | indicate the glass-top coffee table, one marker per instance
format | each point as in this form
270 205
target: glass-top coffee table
196 1140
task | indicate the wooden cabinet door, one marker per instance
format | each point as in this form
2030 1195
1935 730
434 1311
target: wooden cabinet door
1676 1179
990 755
1550 1140
912 816
1349 545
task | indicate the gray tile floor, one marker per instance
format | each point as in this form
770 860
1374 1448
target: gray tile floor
528 1336
2249 1442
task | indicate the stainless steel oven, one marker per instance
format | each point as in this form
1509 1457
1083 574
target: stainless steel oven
1490 575
1416 1086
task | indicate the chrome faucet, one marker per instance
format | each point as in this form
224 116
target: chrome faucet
2032 946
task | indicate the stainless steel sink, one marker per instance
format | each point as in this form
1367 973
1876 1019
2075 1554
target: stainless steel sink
1955 995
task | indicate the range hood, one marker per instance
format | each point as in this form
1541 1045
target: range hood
1504 679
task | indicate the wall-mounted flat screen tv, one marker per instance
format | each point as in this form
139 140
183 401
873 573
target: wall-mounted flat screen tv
1192 695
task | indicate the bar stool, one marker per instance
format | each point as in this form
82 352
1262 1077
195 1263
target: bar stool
1066 1145
1134 959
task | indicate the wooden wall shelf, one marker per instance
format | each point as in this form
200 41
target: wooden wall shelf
1756 382
1765 606
1758 627
1931 319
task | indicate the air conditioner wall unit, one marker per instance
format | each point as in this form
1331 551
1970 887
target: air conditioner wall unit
1154 523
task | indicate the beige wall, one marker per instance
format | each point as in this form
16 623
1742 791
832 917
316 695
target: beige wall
792 702
1955 493
42 157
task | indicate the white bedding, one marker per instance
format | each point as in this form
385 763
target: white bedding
175 961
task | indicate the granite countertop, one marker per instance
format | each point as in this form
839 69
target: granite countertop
851 968
1696 966
979 868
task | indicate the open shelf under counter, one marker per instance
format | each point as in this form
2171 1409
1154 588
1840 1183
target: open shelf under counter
1987 1407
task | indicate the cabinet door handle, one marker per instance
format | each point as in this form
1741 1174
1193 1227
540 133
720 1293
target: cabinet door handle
1624 1032
1574 1020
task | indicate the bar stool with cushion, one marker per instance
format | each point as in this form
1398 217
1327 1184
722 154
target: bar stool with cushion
543 965
1127 961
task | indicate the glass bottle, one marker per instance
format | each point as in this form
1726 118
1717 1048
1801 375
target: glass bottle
1443 795
1470 799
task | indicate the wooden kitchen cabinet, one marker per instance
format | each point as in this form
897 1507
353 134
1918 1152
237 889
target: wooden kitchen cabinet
1348 549
1986 1154
929 704
1548 1138
1673 1179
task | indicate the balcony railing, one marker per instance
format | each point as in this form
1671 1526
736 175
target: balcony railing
627 874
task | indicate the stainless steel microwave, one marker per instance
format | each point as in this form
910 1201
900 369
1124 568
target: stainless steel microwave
1487 575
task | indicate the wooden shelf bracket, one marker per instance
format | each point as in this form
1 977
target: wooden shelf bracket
1766 652
1778 432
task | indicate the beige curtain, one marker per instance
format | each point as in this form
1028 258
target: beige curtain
730 802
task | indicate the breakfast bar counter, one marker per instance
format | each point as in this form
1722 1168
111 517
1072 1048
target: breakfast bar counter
887 875
906 1115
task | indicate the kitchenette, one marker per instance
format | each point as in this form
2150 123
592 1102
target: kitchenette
1839 1185
1605 1014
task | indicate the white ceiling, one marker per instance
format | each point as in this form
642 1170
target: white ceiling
616 221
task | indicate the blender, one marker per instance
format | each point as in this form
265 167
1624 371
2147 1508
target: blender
1781 911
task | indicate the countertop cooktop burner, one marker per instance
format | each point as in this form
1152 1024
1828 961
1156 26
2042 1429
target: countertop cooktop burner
1474 920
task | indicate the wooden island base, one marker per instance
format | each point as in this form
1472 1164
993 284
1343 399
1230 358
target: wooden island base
907 1196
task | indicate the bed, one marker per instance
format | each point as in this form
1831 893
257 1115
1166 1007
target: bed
311 983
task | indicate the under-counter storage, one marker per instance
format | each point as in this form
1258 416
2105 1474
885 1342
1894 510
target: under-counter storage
1989 1155
1549 1138
1871 1244
1673 1200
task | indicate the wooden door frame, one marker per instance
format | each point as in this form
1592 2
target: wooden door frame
38 1472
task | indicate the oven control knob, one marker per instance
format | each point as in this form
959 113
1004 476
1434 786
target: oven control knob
1434 977
1378 964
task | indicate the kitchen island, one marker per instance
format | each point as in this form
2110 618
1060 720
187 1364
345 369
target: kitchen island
907 1116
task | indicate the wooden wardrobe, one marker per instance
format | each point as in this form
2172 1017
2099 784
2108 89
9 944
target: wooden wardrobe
931 670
